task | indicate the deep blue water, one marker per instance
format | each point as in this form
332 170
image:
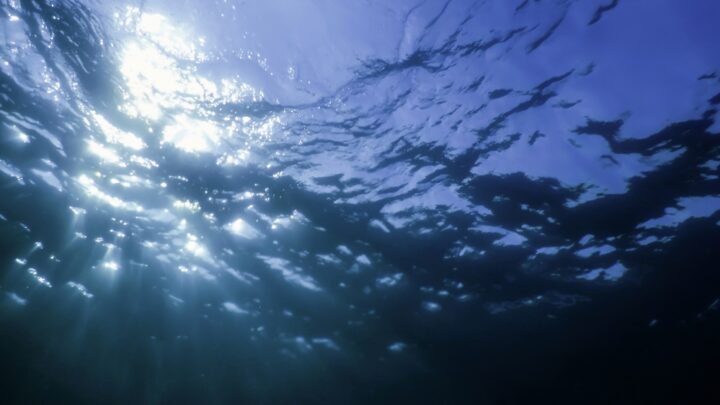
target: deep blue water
314 201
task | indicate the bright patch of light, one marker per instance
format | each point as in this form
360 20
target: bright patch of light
397 347
232 307
191 206
143 162
17 299
77 211
430 306
80 288
40 279
128 181
116 136
192 135
242 229
106 154
287 221
92 190
111 265
237 158
154 79
49 178
612 273
194 247
11 171
170 37
290 273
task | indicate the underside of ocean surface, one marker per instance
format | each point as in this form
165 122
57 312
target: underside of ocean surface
359 202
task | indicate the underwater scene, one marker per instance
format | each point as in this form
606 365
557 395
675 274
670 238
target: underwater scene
359 202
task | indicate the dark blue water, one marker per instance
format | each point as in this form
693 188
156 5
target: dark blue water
490 202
